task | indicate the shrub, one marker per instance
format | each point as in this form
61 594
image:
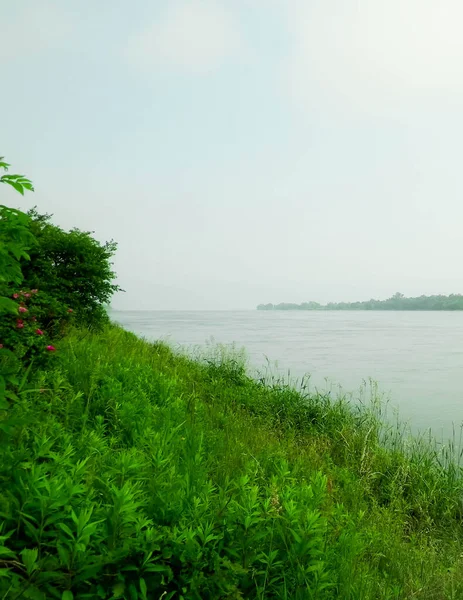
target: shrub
72 267
39 319
15 240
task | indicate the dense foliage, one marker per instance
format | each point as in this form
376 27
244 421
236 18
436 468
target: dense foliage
396 302
47 276
130 472
15 239
72 267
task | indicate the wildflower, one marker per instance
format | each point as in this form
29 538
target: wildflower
34 291
19 324
70 310
15 296
1 346
51 348
27 295
39 332
22 309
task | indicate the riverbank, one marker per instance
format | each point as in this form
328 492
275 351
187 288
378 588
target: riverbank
129 471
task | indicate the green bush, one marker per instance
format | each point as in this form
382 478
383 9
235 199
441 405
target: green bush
72 267
15 241
47 276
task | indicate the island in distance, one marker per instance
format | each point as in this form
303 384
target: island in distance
397 302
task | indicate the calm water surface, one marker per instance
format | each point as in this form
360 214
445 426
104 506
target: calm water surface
416 357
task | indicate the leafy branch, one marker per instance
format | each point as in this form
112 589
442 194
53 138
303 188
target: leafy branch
19 182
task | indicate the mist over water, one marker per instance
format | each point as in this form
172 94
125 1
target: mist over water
415 357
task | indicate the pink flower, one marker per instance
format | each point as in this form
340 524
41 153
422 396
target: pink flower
19 324
34 291
15 296
39 332
51 348
22 309
1 346
27 295
70 310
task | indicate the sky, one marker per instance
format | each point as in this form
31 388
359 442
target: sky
244 151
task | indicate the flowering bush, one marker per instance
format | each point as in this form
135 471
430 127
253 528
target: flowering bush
39 319
63 275
16 240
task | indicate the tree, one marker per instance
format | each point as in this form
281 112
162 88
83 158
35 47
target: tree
72 267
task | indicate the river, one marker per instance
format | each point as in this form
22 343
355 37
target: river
415 357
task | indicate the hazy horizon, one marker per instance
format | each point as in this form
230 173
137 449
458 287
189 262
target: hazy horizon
244 152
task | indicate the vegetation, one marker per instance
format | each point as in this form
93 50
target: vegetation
47 276
15 240
72 268
128 471
396 302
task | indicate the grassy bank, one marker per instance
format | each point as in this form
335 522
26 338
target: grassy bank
127 471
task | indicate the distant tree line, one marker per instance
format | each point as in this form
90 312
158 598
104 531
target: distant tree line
397 302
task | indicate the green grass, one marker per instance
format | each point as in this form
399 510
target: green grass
128 471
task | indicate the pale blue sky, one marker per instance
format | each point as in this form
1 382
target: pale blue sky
244 151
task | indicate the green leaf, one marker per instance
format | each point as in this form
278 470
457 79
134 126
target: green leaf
18 182
7 305
118 590
5 572
133 592
66 529
30 559
4 551
143 589
67 595
34 593
63 554
296 536
157 569
17 186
